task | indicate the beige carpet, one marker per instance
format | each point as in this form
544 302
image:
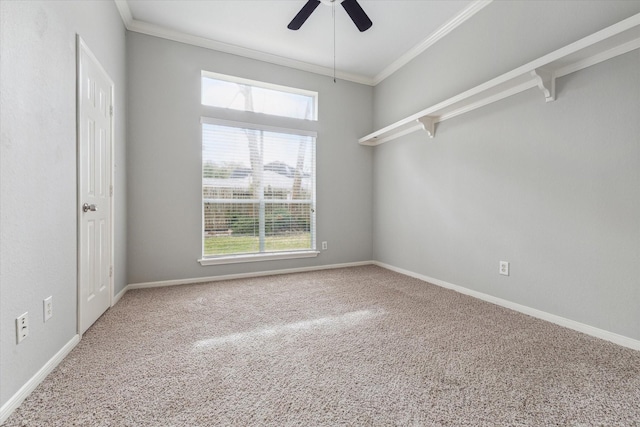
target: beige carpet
357 346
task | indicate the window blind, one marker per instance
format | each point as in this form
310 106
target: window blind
258 189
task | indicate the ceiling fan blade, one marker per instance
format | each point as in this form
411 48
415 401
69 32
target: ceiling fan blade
357 15
304 13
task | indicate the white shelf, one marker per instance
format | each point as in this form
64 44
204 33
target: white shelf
610 42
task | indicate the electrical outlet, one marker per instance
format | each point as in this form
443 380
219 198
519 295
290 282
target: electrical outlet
324 246
22 327
47 306
504 268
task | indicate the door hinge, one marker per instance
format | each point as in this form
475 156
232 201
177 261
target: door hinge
111 271
111 110
111 190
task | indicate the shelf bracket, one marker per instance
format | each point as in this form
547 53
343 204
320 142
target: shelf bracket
428 124
546 82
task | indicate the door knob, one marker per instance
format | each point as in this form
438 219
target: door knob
87 207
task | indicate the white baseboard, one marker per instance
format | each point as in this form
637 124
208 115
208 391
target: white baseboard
7 409
234 276
119 296
558 320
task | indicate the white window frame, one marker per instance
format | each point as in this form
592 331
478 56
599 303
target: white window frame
272 123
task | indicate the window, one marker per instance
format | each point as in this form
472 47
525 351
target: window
246 95
258 181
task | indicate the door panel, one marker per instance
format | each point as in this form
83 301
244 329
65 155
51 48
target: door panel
94 184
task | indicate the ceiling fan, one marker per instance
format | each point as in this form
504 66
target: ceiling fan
354 10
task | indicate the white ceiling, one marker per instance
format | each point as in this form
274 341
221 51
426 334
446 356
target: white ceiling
258 29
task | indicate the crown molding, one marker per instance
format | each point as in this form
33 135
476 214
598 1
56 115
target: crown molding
165 33
142 27
125 12
445 29
158 31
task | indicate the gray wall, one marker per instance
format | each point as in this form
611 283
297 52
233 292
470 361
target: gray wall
164 160
38 171
552 188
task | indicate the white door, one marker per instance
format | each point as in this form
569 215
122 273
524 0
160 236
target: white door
95 107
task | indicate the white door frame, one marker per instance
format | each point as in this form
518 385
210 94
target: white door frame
81 46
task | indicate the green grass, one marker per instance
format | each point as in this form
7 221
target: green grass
224 245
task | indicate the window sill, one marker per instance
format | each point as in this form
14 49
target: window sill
257 257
